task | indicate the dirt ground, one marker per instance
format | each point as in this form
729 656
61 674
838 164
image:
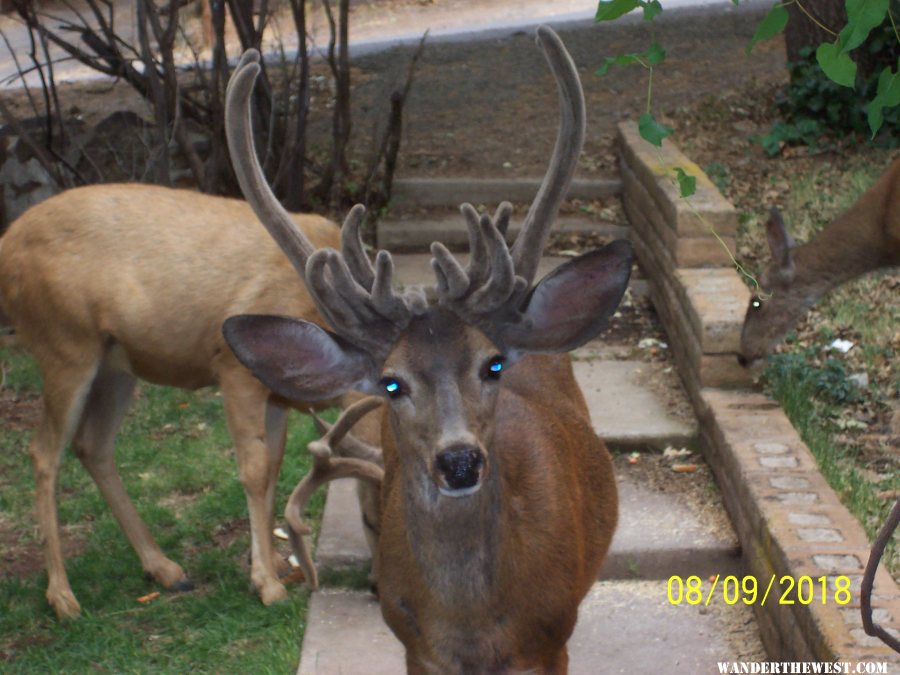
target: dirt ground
488 108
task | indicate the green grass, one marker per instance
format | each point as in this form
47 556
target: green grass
175 457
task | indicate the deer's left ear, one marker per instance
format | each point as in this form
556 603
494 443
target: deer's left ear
572 304
298 359
780 244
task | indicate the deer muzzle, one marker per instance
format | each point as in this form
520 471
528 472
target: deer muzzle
459 470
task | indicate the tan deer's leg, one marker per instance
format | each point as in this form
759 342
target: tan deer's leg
246 412
276 435
65 390
94 445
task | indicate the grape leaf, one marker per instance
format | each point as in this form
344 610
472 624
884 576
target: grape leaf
687 184
651 9
609 10
862 17
651 130
771 25
887 96
836 63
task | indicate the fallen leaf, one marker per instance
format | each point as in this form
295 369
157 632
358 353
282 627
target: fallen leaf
684 468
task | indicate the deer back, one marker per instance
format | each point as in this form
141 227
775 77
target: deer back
155 270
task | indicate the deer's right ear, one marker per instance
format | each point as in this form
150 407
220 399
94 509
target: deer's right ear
780 244
297 359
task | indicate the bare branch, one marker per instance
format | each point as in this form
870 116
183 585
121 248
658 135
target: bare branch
868 580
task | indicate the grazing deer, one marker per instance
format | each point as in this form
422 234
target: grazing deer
863 239
498 500
110 283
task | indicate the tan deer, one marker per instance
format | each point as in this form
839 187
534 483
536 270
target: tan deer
111 283
498 500
863 239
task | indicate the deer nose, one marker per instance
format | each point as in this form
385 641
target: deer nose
460 467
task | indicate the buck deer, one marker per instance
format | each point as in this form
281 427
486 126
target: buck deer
110 283
863 239
498 500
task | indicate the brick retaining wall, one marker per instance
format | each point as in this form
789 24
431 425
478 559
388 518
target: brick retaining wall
789 521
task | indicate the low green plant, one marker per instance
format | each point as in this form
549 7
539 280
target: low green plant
816 111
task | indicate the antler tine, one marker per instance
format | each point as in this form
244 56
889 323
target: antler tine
529 245
335 434
326 468
371 319
355 298
352 248
480 292
238 129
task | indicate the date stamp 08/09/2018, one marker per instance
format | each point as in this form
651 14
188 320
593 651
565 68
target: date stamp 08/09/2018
785 590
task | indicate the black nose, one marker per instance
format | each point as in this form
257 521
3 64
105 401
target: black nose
460 466
743 360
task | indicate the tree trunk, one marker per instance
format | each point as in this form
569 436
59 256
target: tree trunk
804 32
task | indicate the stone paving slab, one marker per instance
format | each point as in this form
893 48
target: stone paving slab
407 192
345 635
412 232
625 411
623 627
660 534
342 540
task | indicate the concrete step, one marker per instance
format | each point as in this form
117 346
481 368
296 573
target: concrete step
413 232
626 409
451 192
661 534
415 268
623 627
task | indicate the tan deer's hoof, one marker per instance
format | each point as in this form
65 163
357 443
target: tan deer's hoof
64 604
181 586
272 592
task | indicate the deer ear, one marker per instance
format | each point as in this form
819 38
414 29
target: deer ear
297 359
571 304
780 244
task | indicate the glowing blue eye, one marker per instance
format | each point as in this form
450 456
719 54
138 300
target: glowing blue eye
391 386
493 368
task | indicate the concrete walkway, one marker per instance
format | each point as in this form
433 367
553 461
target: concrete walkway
626 623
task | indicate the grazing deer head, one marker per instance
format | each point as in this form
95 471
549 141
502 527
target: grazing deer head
863 239
466 444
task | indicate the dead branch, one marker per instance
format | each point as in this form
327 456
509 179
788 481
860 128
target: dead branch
868 580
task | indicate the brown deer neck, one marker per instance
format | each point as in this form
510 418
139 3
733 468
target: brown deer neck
839 253
455 541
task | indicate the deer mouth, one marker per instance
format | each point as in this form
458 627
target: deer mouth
753 363
459 471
